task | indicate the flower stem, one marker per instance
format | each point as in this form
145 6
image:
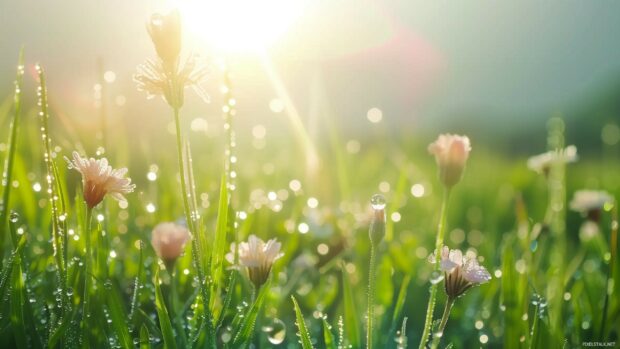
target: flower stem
371 296
441 227
444 321
87 271
190 225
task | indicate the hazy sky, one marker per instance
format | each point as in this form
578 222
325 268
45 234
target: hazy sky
409 58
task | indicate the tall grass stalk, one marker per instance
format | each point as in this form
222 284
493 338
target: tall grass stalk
7 175
441 227
610 282
370 313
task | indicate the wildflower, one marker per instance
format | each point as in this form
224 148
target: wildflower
590 203
155 80
166 76
460 272
451 153
100 179
542 163
257 256
165 31
168 240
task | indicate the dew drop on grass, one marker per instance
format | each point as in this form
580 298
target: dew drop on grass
14 217
275 330
436 277
377 202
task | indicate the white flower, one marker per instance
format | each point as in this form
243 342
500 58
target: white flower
460 272
542 163
168 240
451 154
257 256
155 80
590 203
100 179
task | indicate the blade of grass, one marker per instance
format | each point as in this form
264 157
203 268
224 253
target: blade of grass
328 337
351 319
145 341
17 309
162 314
12 149
219 244
118 316
246 328
304 336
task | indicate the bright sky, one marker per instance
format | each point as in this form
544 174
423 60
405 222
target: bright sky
412 59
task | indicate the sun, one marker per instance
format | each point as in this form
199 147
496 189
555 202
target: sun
238 25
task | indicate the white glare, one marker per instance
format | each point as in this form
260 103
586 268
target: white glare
239 25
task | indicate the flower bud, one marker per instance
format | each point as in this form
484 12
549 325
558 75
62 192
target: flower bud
451 153
165 31
376 232
168 240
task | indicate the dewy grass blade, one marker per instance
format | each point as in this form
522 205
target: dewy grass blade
12 149
18 299
351 320
117 316
246 328
328 337
52 185
219 245
400 302
304 336
162 314
145 341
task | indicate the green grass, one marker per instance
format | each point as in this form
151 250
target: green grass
544 293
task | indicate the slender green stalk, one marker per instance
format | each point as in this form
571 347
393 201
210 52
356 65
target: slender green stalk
370 313
87 273
190 224
442 325
613 245
441 227
10 159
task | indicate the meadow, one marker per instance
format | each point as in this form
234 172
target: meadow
87 263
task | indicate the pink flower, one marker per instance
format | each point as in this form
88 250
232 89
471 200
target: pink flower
168 240
460 272
100 179
257 256
451 153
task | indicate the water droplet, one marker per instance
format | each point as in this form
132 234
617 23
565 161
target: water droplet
436 277
534 245
69 292
275 330
377 202
14 217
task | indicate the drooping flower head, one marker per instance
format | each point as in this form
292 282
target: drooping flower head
461 272
451 153
165 31
257 256
590 203
99 179
168 240
542 163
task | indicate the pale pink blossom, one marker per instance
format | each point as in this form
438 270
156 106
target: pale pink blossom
99 179
451 153
168 240
257 256
461 272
